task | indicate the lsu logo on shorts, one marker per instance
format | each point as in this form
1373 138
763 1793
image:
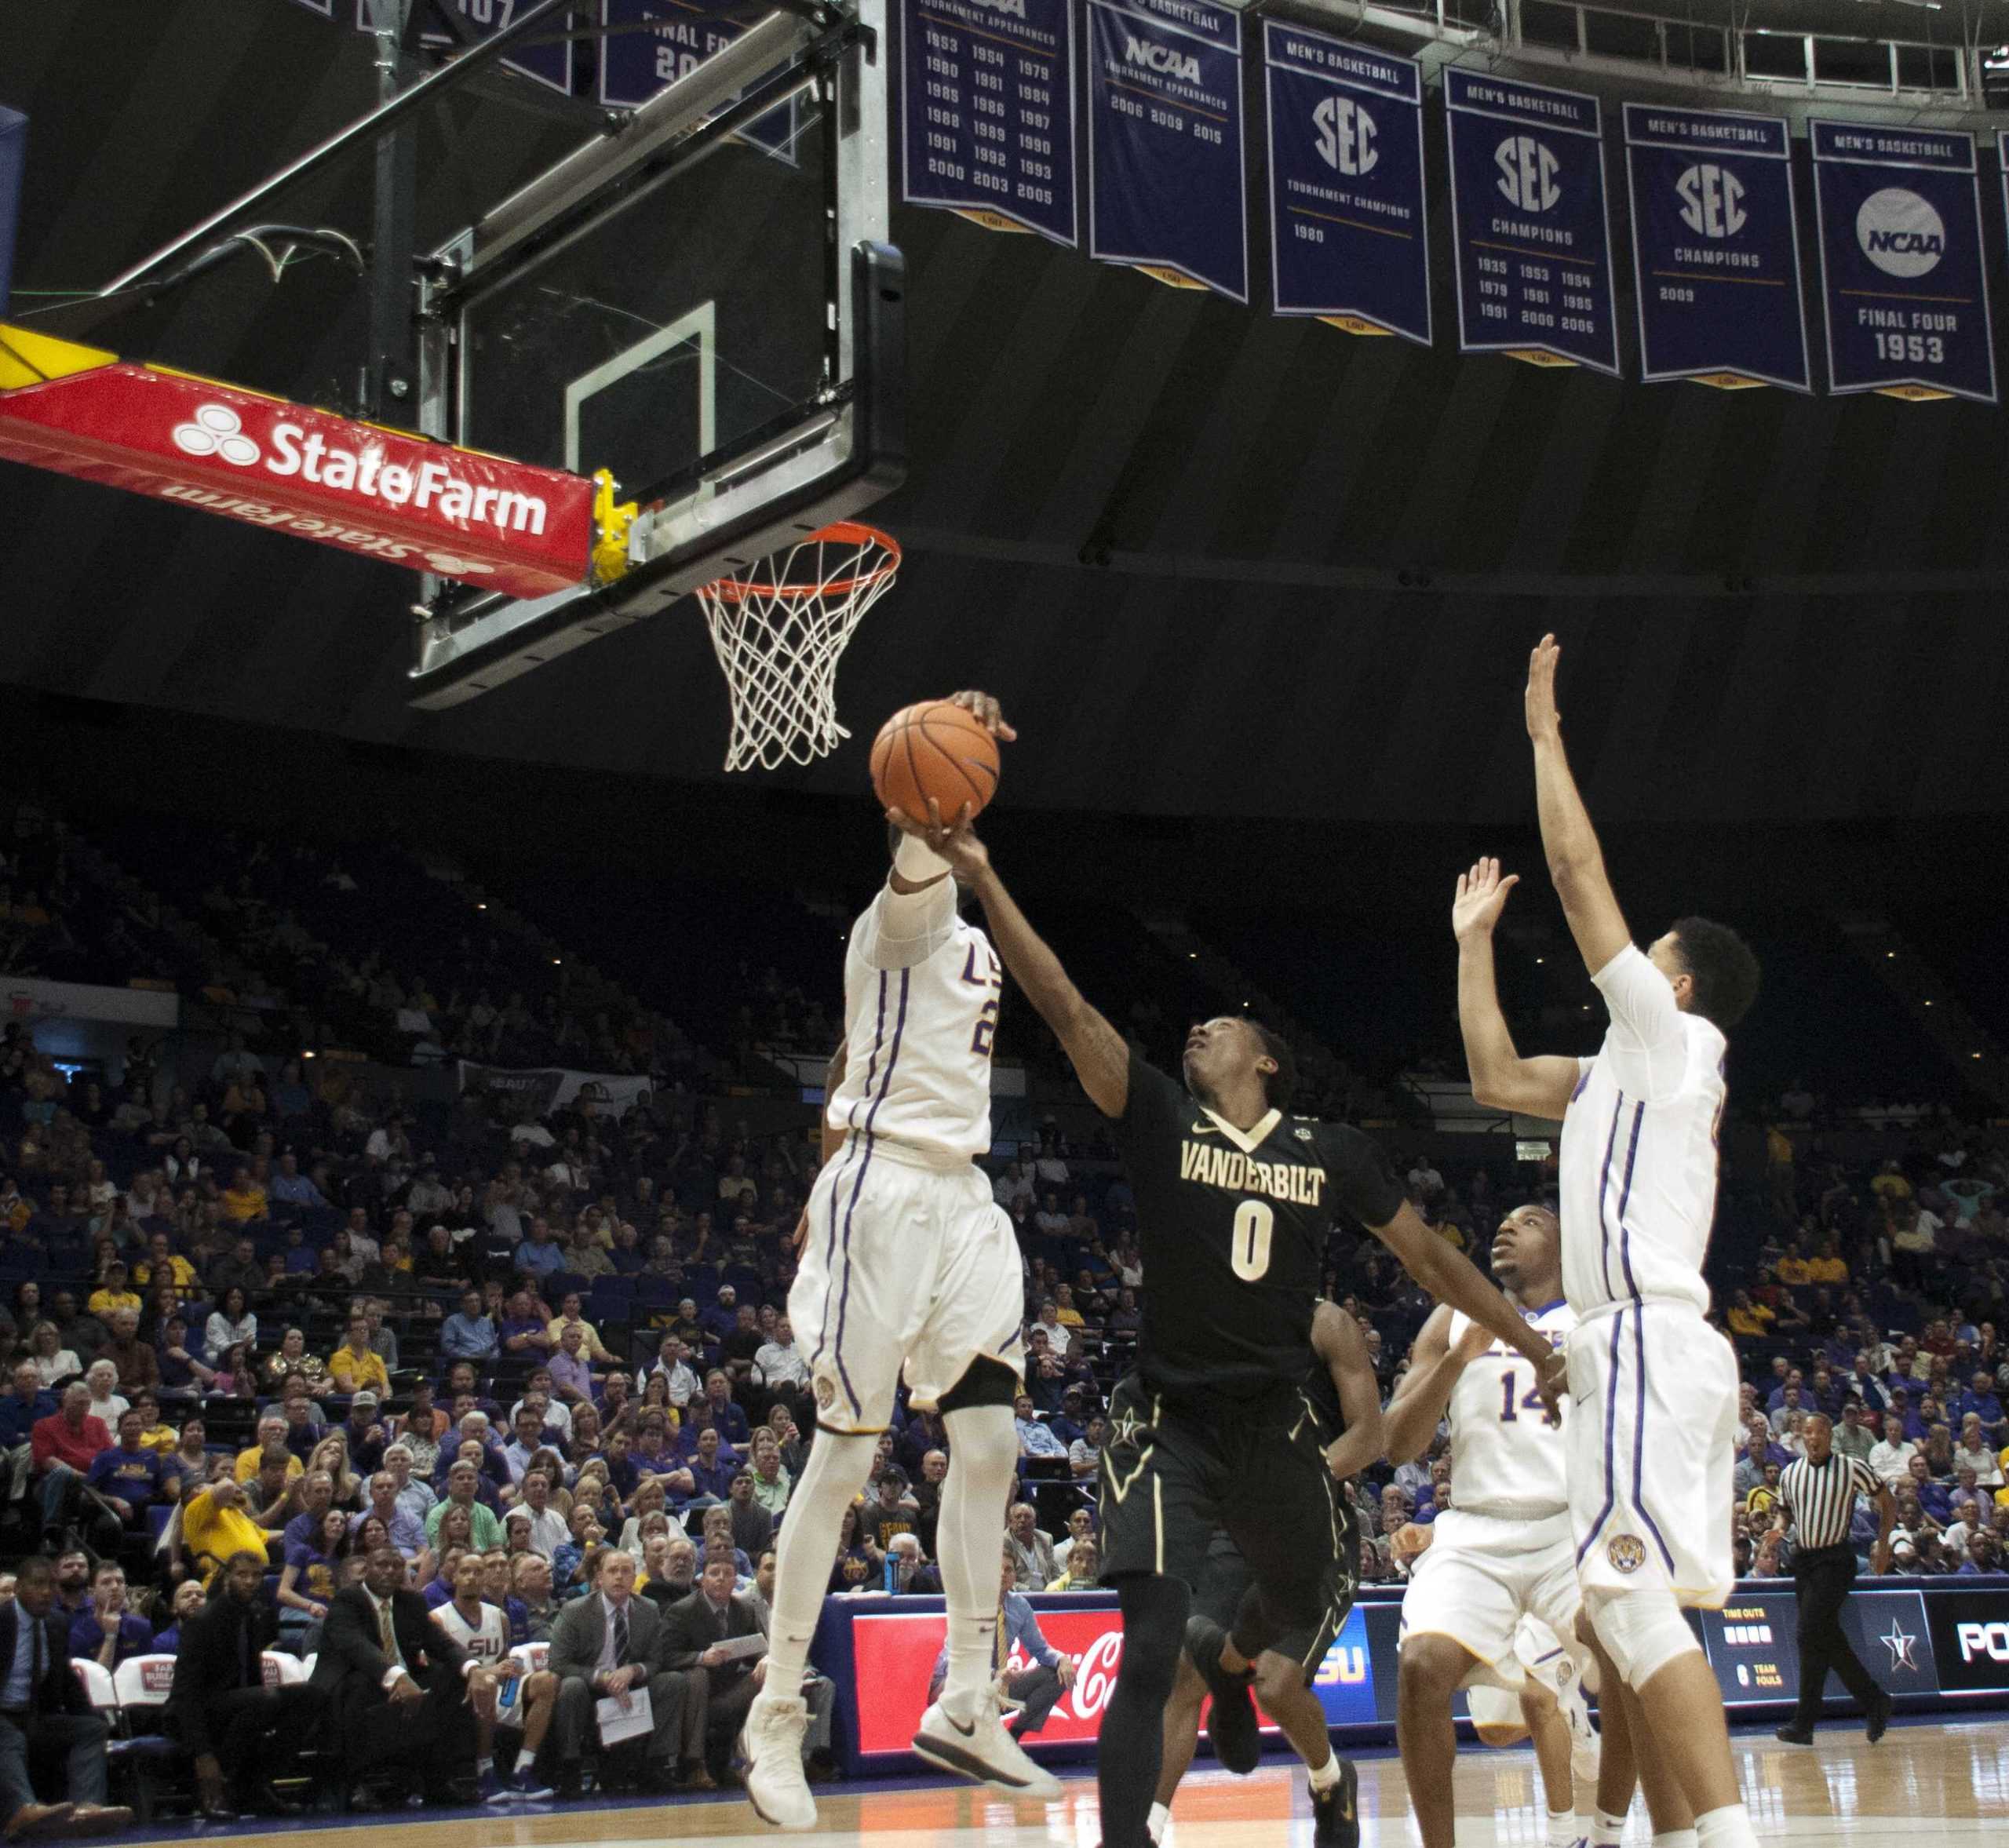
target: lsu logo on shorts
1626 1553
826 1391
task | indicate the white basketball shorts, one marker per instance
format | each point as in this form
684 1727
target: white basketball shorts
1480 1576
1542 1657
1652 1436
905 1264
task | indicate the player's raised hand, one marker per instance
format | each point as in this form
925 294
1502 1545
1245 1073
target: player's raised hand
987 710
1544 719
956 841
1480 897
1552 1382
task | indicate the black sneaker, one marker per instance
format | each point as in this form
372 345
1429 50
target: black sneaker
1336 1812
1791 1735
1232 1729
1880 1718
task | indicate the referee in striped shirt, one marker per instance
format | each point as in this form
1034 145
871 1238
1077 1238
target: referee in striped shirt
1817 1496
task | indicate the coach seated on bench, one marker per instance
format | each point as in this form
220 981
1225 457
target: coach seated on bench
607 1644
398 1684
44 1708
235 1727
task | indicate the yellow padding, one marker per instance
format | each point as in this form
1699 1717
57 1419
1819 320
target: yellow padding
29 359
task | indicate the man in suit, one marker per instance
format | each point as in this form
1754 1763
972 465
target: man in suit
221 1708
404 1692
604 1646
43 1706
695 1634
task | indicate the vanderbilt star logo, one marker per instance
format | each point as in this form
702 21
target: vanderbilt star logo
1123 1434
1900 1643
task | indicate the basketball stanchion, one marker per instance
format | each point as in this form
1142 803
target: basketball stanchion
780 632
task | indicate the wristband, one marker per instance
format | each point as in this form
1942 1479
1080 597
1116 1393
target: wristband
914 860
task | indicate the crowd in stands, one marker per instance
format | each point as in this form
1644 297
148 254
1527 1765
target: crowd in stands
480 1414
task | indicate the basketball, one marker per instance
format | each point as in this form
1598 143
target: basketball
934 749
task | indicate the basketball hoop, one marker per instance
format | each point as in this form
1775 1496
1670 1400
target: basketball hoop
778 636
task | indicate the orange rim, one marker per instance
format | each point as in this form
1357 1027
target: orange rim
844 532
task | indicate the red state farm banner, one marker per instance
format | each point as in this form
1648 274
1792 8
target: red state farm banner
503 525
894 1656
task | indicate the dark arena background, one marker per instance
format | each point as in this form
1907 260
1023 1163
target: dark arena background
368 919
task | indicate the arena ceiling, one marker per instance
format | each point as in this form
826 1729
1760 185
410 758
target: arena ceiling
1219 563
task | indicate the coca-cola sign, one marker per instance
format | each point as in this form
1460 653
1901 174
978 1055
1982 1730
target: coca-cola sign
425 506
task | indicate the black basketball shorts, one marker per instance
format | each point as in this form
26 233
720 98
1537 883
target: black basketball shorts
1228 1498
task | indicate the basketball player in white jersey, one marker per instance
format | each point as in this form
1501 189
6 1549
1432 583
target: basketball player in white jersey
906 1263
1653 1422
1491 1605
483 1632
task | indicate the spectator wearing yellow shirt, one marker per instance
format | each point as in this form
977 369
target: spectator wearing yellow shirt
356 1366
1891 1184
271 1430
244 1199
215 1524
1791 1269
1747 1318
154 1435
112 1293
162 1261
1826 1266
568 1317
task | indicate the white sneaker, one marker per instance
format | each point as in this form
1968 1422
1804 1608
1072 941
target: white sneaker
1583 1751
984 1751
770 1742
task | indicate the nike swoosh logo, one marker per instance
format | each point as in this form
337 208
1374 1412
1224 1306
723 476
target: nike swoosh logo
1204 1129
968 1731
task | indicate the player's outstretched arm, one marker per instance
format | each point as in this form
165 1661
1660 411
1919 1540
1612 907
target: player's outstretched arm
1575 861
1452 1277
1335 1339
1419 1400
1100 1059
1501 1078
1886 1519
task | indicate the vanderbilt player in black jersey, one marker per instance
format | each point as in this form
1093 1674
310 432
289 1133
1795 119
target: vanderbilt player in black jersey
1233 1200
1345 1399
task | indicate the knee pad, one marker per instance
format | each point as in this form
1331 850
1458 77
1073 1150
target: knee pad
1641 1631
985 1382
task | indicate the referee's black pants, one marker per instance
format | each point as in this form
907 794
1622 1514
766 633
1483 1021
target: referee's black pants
1823 1576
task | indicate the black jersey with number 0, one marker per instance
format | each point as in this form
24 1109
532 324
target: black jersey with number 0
1232 1224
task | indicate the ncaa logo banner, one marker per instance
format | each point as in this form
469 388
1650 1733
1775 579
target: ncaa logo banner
1348 234
1717 247
1166 189
987 111
1904 281
548 64
649 44
1528 222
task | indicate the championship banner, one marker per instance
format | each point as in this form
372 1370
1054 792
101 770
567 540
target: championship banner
550 1088
1167 193
635 64
1528 222
550 65
1716 246
1903 275
987 111
14 159
324 8
1349 234
399 499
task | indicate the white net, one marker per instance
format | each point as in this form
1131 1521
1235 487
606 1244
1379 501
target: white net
778 637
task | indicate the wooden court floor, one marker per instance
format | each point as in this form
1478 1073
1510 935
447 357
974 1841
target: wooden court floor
1939 1782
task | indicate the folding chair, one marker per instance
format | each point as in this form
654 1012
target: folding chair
155 1763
